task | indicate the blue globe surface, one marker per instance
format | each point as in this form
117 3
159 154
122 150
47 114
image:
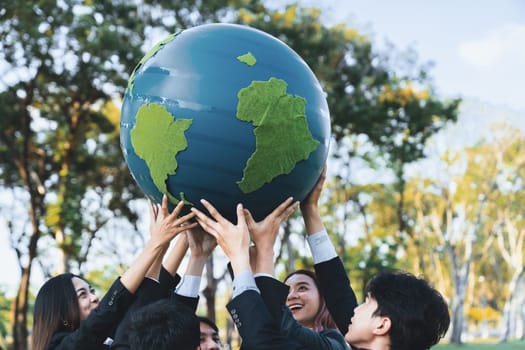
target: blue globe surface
227 113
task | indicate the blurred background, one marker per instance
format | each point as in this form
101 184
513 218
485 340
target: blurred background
426 169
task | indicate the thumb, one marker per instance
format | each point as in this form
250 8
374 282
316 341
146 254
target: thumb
249 218
241 217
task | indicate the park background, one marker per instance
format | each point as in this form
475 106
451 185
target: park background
425 171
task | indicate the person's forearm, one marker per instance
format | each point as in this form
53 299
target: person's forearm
174 259
196 265
265 262
240 263
154 270
312 219
132 278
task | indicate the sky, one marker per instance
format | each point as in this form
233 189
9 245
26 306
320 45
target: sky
477 46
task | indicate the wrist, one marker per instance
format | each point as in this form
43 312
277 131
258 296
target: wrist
199 255
195 268
156 246
309 208
240 263
263 258
264 249
266 267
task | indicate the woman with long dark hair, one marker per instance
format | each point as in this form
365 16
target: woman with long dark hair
69 315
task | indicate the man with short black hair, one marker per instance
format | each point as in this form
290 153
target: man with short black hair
164 325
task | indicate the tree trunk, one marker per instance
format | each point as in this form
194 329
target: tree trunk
63 264
522 317
460 274
211 290
19 314
520 311
286 243
511 312
19 311
457 317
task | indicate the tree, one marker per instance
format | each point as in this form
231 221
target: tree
462 213
510 224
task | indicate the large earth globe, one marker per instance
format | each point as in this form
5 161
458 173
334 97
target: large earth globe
227 113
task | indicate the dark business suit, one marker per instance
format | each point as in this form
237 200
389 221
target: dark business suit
338 294
256 326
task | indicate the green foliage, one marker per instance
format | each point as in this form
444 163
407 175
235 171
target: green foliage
5 308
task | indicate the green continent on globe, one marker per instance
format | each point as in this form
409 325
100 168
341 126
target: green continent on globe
248 58
282 136
146 57
157 137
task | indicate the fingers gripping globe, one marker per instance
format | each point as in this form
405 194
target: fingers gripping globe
227 113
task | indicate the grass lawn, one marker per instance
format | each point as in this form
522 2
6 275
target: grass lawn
514 345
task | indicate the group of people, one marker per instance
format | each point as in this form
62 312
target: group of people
151 307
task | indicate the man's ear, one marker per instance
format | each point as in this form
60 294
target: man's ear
383 326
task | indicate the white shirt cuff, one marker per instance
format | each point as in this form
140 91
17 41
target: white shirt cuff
321 247
264 274
153 279
189 286
242 282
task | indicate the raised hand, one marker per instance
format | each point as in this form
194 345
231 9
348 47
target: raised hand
233 239
312 198
165 226
263 233
309 207
201 242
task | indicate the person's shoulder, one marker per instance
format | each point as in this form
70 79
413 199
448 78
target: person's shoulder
56 339
67 341
336 336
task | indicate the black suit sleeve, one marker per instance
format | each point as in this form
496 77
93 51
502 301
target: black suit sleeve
274 294
256 325
167 281
189 302
338 294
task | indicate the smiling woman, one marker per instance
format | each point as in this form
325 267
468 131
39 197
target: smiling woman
306 302
87 299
